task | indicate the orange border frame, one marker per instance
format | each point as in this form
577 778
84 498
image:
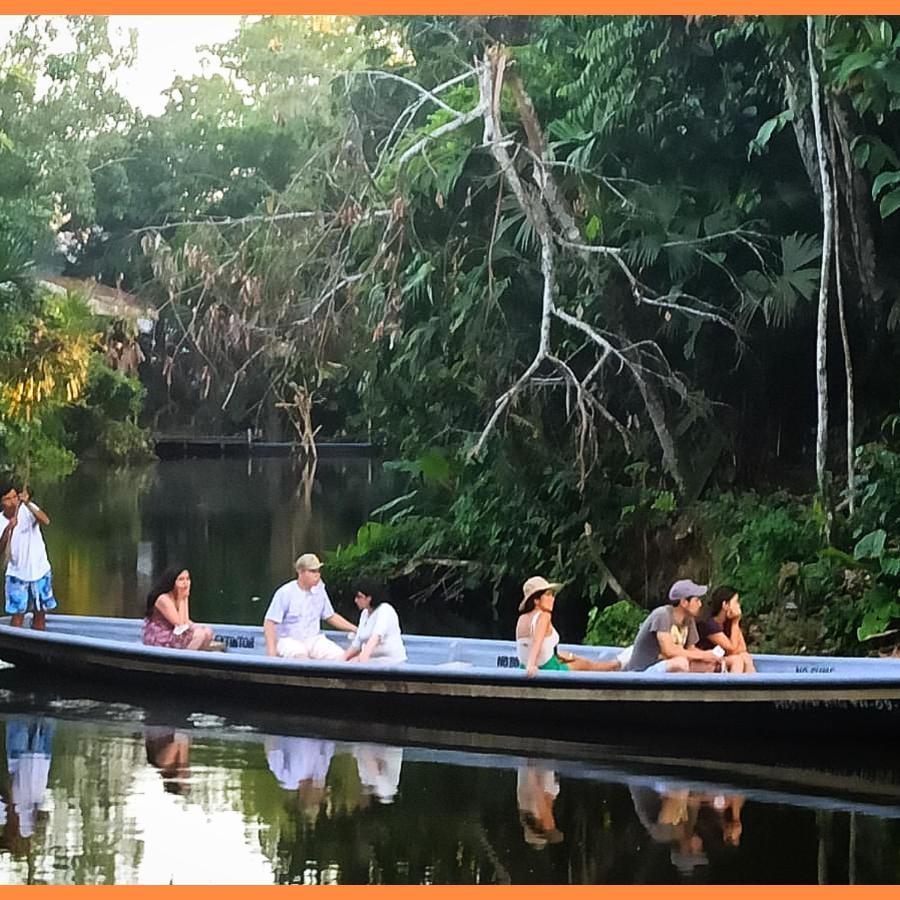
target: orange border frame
453 7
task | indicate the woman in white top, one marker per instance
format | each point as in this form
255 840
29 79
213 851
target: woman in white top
537 639
378 637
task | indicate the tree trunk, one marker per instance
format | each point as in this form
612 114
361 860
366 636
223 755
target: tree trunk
827 235
845 336
857 200
804 130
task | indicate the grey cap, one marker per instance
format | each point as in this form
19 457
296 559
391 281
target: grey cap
685 588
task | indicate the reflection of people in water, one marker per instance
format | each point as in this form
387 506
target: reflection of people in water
29 747
301 765
536 790
688 821
379 770
170 751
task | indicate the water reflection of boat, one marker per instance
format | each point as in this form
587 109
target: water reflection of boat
829 776
469 679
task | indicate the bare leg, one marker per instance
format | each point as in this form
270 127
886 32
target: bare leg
580 664
200 638
678 664
748 663
39 622
18 620
735 664
696 665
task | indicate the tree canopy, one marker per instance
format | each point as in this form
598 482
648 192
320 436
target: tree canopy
570 270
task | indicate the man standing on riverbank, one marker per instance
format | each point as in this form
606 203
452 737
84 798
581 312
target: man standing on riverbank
293 623
28 577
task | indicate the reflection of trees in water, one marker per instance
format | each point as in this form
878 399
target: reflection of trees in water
237 524
446 824
93 538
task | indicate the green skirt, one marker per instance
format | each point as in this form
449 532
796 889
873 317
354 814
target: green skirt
554 664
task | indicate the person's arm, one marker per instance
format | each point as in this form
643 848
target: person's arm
368 648
737 637
336 620
6 537
271 642
720 639
36 511
669 649
537 639
355 643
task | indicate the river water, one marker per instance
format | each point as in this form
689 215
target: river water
97 787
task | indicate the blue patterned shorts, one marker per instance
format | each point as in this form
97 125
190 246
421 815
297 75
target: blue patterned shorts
39 593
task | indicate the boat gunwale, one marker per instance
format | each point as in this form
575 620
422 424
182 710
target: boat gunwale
715 686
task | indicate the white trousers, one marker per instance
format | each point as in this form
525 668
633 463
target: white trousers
318 647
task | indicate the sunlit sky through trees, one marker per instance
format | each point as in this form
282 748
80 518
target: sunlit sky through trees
166 48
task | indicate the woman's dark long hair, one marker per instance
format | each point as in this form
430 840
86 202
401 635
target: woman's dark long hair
369 588
719 597
164 584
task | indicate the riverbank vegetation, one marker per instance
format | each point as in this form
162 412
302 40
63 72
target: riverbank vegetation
617 294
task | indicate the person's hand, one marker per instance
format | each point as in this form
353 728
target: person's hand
734 610
530 671
24 496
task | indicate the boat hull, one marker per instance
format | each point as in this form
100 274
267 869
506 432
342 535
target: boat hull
850 698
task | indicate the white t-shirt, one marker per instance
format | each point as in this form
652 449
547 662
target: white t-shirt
293 760
299 613
379 770
27 553
382 621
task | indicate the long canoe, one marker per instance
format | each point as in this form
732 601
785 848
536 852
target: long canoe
478 682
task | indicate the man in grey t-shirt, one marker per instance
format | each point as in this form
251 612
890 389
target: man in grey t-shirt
667 639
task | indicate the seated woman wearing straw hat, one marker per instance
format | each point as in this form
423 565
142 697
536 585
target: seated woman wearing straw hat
536 638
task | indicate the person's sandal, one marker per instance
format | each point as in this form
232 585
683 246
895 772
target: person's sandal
217 646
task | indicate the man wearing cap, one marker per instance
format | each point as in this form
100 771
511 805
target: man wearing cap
667 640
293 623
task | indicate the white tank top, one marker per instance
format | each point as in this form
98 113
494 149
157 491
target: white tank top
548 645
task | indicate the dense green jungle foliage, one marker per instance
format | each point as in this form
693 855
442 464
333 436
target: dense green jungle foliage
578 275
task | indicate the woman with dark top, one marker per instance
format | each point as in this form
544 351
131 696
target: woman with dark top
168 622
722 628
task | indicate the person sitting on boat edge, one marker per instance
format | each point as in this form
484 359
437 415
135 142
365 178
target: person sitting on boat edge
536 638
293 621
721 627
168 621
29 580
378 637
667 639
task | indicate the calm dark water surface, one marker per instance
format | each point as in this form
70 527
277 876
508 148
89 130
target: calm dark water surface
94 791
236 524
124 789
